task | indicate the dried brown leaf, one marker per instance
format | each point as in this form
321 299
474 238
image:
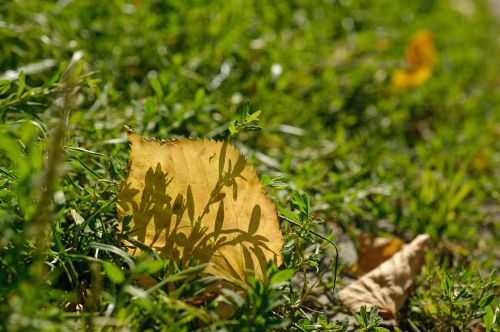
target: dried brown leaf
387 286
373 251
200 200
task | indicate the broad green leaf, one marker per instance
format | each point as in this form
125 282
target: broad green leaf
114 273
149 267
253 116
282 276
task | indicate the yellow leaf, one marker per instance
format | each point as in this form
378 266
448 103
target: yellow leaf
420 51
372 251
200 200
387 286
421 56
411 77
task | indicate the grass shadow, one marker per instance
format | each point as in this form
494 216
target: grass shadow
180 233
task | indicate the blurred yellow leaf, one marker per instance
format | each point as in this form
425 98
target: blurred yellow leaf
420 51
412 77
200 200
387 286
421 56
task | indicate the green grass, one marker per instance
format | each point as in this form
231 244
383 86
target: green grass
337 145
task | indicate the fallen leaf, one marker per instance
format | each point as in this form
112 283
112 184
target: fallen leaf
372 251
387 286
200 200
421 56
420 51
410 77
